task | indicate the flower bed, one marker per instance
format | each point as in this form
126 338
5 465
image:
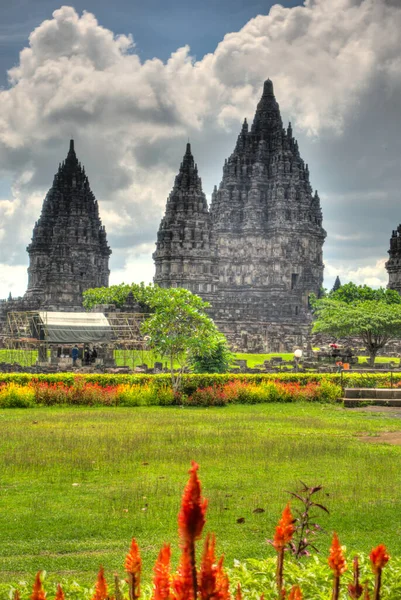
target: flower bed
80 391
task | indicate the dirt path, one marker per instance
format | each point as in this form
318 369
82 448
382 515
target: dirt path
386 437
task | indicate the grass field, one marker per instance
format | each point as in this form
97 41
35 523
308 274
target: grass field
133 358
77 484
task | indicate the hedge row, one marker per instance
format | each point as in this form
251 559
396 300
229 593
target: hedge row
192 382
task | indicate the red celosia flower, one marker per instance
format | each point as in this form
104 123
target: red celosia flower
100 587
207 574
38 593
191 518
162 578
16 595
132 565
284 530
59 594
336 559
183 581
379 557
222 583
238 595
295 593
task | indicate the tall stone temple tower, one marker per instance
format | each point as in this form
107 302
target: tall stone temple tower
265 247
185 253
68 252
393 265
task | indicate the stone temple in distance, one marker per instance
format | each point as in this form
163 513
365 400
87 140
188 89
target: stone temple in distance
256 253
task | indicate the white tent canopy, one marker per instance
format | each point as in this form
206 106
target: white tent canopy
74 327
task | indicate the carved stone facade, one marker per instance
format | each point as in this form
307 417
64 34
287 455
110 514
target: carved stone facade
68 252
185 253
264 237
393 265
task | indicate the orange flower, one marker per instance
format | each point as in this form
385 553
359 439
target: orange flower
379 557
38 593
284 530
207 575
161 580
191 518
336 559
295 593
100 587
213 582
132 565
59 594
238 595
222 583
183 581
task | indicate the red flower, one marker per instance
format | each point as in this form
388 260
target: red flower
59 594
336 559
132 565
207 575
183 580
284 530
238 595
161 580
38 593
100 587
379 558
191 518
295 593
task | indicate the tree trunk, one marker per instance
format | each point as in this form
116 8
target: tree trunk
372 356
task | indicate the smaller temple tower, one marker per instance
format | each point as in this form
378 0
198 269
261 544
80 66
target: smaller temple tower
185 251
68 252
393 265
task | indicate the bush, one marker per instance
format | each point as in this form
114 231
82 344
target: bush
13 395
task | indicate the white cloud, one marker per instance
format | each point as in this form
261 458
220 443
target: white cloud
330 62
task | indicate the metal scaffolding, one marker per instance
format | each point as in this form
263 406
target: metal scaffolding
30 338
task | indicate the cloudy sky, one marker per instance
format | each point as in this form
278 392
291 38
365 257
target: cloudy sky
131 81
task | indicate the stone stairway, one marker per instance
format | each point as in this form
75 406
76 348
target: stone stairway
354 397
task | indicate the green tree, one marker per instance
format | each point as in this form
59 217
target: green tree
118 294
218 361
179 329
351 293
376 322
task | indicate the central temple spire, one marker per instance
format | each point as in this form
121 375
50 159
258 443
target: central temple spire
267 121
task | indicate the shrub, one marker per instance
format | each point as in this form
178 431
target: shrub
13 395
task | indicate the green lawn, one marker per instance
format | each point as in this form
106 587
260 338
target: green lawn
133 358
76 484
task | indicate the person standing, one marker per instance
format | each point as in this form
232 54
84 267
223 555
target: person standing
74 354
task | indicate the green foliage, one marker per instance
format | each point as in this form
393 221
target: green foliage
117 295
374 321
351 293
315 579
179 329
217 361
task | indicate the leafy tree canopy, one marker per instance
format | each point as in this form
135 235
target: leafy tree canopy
118 294
351 293
375 321
179 328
